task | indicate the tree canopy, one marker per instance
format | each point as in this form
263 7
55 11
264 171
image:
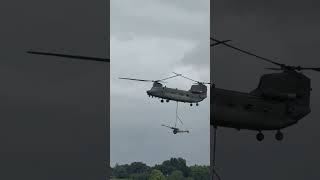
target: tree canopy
156 175
173 169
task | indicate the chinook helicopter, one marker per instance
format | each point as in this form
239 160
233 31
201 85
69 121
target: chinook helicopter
280 100
197 92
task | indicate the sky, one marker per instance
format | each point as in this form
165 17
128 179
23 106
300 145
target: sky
54 112
287 32
150 40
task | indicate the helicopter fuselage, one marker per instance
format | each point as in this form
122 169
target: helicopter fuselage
176 94
245 111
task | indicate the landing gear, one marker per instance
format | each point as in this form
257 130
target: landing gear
260 136
279 135
191 104
197 104
167 100
162 100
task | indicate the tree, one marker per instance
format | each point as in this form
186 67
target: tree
167 167
176 175
156 175
137 168
120 172
200 172
139 176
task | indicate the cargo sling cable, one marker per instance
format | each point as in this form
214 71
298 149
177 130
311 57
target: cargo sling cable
214 172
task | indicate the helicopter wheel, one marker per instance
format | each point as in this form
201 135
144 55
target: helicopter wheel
279 135
197 104
162 100
167 100
260 136
190 104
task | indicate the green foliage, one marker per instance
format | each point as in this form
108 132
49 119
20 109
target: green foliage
156 175
173 169
120 171
176 175
139 176
137 167
200 172
167 167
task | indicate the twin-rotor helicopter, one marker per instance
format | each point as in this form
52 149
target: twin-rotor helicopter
280 100
195 94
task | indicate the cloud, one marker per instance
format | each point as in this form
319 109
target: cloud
150 40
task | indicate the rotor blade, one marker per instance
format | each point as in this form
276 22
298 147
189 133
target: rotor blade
186 77
247 52
145 80
297 68
314 69
169 77
217 43
277 69
70 56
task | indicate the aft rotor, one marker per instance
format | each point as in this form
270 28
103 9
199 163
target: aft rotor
281 66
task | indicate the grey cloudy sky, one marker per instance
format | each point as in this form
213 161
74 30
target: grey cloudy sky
149 40
286 31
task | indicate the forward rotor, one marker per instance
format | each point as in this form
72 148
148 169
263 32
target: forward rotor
147 80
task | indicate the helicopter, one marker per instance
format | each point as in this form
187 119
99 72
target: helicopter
197 92
280 100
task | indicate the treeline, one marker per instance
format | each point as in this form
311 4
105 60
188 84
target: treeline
173 169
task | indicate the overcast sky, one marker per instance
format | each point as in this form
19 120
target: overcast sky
150 40
288 32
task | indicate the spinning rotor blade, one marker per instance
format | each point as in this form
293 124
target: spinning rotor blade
314 69
169 77
185 77
217 43
298 68
144 80
276 69
247 52
282 66
70 56
191 79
